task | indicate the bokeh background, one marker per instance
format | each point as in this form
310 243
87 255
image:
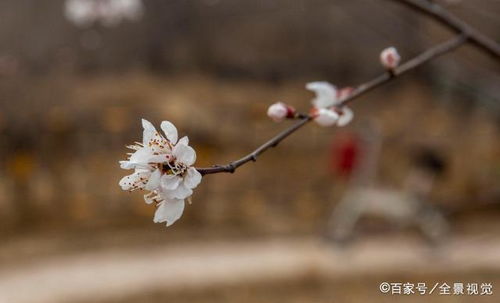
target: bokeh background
72 96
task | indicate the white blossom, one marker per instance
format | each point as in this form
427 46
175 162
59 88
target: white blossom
325 117
279 111
345 117
162 165
107 12
390 58
326 105
326 94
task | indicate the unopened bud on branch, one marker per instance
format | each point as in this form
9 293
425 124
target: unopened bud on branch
279 111
390 58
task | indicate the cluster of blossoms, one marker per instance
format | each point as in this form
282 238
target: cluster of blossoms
326 110
107 12
163 166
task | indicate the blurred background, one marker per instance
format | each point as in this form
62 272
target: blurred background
422 154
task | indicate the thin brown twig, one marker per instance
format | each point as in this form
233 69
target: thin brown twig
424 57
231 167
451 21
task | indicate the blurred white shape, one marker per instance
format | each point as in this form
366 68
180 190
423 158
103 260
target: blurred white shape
327 104
79 12
346 117
107 12
325 117
326 94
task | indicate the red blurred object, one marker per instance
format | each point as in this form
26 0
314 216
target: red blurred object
344 156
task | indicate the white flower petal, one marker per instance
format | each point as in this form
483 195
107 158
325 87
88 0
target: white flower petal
326 94
326 117
140 157
192 178
126 182
149 132
184 140
181 192
346 117
126 165
170 182
154 180
184 154
137 180
159 158
169 211
170 131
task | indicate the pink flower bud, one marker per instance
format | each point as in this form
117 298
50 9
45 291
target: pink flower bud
279 111
390 58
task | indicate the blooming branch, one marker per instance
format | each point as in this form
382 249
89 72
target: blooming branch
426 56
164 165
466 34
